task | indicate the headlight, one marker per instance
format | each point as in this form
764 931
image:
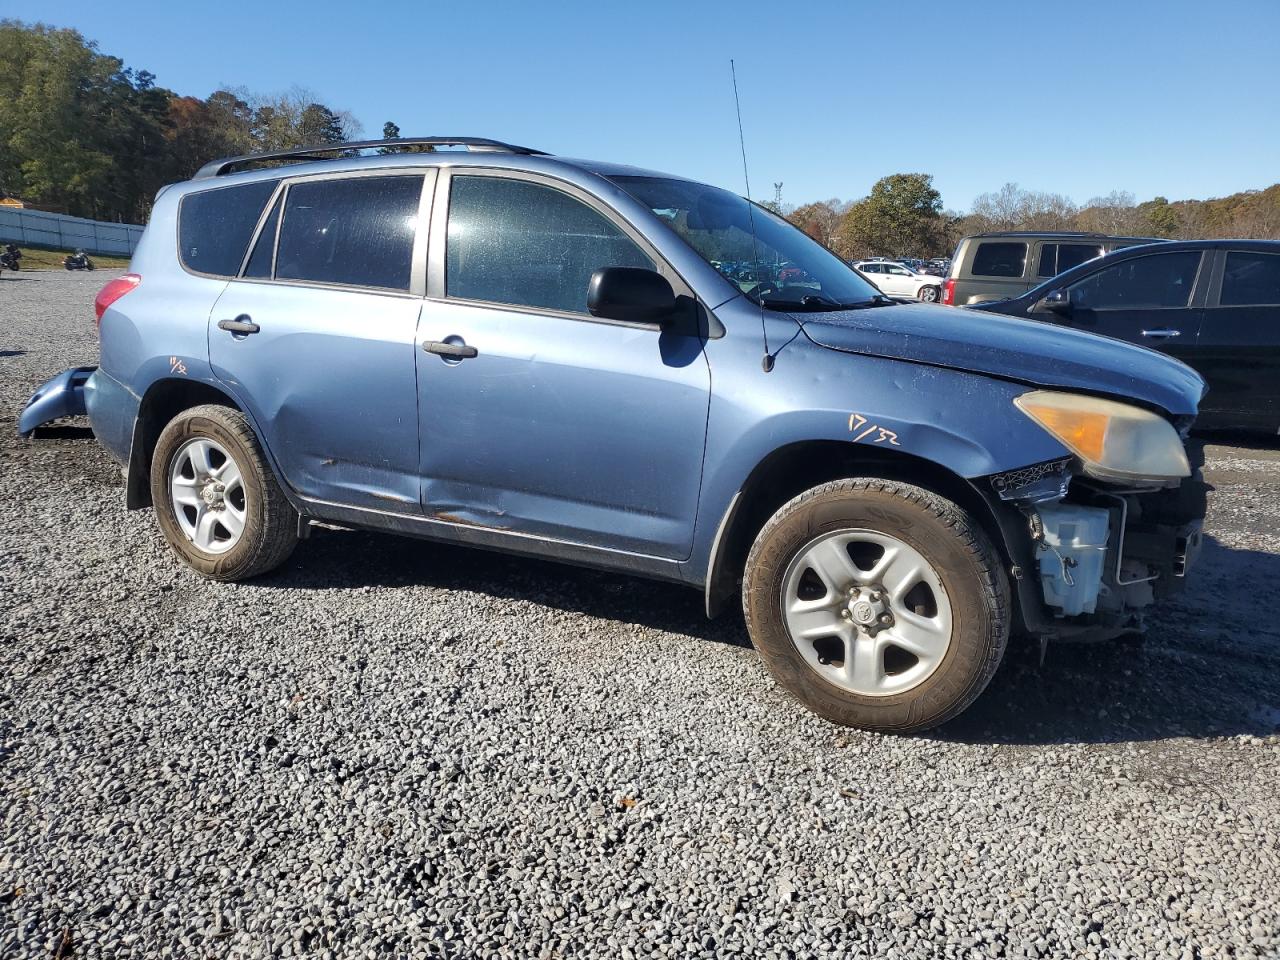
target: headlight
1114 440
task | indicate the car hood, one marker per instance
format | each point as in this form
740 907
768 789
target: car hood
1026 351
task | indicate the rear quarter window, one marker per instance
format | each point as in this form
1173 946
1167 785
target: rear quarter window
354 231
214 226
999 259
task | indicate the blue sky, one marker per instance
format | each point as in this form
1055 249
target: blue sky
1157 97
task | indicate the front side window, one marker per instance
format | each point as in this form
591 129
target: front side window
214 226
1143 283
1251 278
357 231
525 244
898 271
999 259
769 260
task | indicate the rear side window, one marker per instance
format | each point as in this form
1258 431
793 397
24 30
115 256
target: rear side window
214 226
1251 278
1073 254
1143 283
521 243
1056 258
993 259
356 231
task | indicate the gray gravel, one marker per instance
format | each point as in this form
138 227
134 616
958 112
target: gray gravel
392 748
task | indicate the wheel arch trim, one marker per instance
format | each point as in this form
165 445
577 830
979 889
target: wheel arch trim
164 398
755 501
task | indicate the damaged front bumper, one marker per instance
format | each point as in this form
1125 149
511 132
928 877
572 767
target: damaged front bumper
61 396
1099 554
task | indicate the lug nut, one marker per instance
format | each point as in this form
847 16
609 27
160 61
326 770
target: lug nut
845 614
875 597
886 619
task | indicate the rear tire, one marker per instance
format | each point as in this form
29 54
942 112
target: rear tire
233 535
948 601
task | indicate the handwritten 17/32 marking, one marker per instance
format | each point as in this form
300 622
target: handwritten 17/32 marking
857 421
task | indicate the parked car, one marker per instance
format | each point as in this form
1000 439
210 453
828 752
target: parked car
993 266
532 354
897 280
1214 304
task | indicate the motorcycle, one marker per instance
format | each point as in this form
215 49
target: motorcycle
77 261
11 259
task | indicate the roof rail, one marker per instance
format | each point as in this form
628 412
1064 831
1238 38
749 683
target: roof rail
225 165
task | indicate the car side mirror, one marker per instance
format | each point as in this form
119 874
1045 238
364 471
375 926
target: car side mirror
630 294
1059 302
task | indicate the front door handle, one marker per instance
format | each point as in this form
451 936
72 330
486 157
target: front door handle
242 325
1162 333
445 348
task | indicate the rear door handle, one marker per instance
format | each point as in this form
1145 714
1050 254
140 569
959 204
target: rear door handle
445 348
241 325
1164 332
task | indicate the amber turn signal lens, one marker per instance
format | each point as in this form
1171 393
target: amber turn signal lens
1083 432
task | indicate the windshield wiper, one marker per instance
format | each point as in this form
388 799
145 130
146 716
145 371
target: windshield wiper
879 300
810 303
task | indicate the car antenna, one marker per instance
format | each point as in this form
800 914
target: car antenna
766 362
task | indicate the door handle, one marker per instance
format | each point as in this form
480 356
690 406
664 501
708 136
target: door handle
455 351
1162 333
242 325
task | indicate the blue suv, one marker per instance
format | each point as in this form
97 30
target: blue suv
625 369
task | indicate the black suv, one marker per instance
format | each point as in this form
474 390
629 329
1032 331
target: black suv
1214 304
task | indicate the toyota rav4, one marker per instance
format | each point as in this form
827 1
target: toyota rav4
480 343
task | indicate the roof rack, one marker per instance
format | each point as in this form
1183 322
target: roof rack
1072 234
225 165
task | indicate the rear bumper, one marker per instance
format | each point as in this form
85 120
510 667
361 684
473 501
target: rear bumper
62 396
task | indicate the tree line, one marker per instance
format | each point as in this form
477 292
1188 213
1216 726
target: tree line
81 133
903 216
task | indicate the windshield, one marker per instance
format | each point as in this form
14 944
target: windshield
781 268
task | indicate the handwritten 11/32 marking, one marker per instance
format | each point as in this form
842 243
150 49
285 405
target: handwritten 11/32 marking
856 423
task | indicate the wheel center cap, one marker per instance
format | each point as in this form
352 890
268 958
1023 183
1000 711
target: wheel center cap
863 612
210 494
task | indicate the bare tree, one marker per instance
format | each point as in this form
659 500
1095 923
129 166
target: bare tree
1116 214
1012 208
820 220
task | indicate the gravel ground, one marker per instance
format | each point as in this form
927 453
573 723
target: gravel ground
392 748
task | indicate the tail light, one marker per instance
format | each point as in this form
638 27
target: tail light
949 292
113 291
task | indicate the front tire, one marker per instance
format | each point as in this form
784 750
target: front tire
877 604
216 499
929 294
